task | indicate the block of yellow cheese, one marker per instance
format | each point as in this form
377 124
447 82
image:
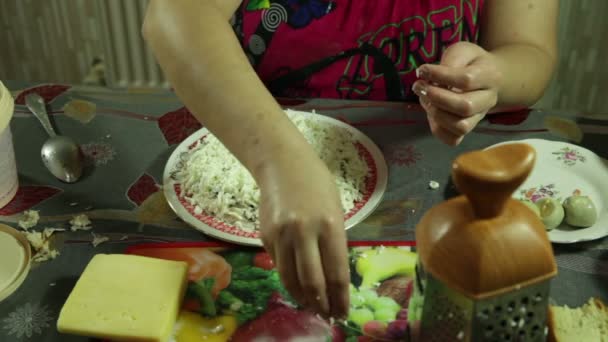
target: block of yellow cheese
125 298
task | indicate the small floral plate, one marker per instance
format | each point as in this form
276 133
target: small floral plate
563 170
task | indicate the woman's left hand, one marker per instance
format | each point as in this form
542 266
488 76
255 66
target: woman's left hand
458 93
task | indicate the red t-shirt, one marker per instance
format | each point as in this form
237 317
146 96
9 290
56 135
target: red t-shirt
364 49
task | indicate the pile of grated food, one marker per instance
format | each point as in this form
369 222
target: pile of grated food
217 184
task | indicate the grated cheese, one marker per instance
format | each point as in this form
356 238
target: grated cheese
80 222
215 183
40 242
29 219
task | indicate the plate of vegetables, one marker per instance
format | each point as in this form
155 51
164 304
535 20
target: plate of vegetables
235 294
568 190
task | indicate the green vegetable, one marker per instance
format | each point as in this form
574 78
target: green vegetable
385 315
387 303
202 290
532 206
238 259
248 293
360 316
580 211
551 212
375 265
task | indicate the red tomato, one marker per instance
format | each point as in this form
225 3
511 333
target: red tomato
263 260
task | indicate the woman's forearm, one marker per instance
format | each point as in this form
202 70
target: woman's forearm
202 58
526 71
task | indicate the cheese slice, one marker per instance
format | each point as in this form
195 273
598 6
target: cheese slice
125 298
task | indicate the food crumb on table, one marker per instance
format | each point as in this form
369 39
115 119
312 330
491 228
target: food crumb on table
40 242
98 239
433 185
80 222
29 219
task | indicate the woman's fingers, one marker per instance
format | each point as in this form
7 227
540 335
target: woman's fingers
443 134
286 265
311 275
465 104
334 253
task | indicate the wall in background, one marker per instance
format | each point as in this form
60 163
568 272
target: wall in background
57 41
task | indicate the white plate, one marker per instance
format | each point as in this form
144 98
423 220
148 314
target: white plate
375 188
560 170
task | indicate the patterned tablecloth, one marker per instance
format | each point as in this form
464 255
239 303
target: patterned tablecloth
128 135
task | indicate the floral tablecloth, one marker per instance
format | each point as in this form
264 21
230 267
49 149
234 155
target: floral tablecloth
127 136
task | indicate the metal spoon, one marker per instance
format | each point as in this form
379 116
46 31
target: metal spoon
60 154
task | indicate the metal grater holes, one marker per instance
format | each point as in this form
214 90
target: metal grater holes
512 320
451 319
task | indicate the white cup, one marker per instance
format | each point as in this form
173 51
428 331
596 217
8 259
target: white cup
8 168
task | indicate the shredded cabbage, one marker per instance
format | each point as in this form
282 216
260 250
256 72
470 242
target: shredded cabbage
217 184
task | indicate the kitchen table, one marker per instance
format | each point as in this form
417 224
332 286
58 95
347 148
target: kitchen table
127 136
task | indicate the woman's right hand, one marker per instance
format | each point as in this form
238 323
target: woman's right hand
302 227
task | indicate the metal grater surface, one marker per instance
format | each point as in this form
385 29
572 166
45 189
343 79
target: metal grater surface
518 315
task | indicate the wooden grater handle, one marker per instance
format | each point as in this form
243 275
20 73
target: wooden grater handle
489 177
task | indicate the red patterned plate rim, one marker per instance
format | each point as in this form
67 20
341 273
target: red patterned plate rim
375 185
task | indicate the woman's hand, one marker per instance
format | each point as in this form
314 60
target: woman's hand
458 93
302 227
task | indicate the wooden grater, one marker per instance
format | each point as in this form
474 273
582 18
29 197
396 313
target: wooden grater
485 260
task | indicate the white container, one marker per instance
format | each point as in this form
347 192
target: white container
8 167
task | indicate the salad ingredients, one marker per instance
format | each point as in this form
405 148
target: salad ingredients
375 265
580 211
551 212
283 322
202 263
191 327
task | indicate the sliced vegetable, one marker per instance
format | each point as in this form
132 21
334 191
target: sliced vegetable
580 211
